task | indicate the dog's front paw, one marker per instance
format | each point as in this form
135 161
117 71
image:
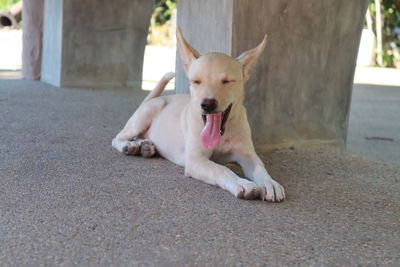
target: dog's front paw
247 190
271 190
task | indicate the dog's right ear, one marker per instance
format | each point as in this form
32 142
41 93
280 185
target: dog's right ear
187 52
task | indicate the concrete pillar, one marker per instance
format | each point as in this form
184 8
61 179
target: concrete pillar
32 29
95 43
299 93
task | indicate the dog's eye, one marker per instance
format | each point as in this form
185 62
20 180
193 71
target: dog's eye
196 81
226 81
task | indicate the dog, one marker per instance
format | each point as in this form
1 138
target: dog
206 129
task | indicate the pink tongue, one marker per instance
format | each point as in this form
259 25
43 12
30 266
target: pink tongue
210 136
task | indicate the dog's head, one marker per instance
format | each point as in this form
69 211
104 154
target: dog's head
216 84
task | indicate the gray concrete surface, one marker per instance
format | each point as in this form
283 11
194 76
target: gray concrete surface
301 87
374 126
68 198
94 43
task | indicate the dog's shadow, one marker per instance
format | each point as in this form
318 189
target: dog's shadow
236 169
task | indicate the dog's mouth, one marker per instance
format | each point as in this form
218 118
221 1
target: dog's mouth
214 127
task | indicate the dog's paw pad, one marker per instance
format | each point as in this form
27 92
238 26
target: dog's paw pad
131 149
147 149
240 195
248 191
252 194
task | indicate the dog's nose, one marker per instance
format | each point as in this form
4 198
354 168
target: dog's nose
209 104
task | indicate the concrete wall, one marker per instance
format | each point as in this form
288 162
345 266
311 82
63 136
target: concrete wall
211 34
300 90
101 42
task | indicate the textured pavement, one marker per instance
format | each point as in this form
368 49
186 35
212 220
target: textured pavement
374 124
68 198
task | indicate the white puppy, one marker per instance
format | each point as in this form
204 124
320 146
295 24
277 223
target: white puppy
206 129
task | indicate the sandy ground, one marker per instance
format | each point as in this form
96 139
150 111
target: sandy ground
67 198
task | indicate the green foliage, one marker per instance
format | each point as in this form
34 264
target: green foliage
6 4
163 10
390 31
160 31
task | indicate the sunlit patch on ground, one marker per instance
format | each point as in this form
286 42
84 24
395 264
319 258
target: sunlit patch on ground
10 49
377 76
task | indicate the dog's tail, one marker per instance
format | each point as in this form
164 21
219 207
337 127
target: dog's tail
157 91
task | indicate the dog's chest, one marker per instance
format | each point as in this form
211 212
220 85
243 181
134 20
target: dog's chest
227 145
225 150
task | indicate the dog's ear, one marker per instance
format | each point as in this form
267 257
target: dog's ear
249 58
187 52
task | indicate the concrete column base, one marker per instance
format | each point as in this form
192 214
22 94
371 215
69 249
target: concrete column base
92 44
32 30
300 90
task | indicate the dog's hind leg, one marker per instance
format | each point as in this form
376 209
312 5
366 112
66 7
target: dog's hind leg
131 140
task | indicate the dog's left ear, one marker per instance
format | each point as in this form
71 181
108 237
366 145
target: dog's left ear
187 52
249 58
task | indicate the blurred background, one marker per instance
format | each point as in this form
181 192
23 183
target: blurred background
159 54
379 47
374 123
